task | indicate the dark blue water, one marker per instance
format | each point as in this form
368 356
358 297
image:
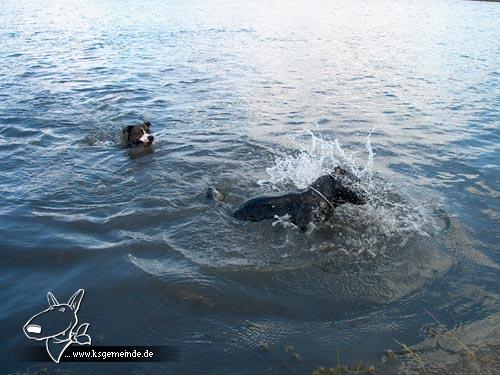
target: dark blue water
248 99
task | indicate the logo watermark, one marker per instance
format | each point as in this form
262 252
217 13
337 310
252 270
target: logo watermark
58 326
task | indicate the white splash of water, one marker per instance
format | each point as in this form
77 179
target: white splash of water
317 158
367 172
283 220
389 213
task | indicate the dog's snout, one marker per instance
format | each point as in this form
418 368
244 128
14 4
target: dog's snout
33 328
151 138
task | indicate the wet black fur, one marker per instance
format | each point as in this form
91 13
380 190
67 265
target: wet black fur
338 188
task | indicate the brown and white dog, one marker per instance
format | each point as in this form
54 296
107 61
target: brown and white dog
138 135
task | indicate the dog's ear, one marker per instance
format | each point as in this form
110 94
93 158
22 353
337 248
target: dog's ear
52 300
128 129
148 124
74 301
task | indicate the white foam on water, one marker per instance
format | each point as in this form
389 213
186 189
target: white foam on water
390 212
315 159
283 220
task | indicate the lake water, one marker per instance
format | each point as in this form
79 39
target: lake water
249 98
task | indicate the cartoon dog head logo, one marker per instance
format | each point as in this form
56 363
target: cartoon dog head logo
58 326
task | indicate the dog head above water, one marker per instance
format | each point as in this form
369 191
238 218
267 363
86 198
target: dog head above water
340 187
138 135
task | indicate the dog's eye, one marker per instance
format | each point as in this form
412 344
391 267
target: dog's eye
62 309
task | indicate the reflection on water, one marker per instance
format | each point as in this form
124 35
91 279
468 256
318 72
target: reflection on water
247 99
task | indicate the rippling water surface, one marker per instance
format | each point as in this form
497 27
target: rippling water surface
248 99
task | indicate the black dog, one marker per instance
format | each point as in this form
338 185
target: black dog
316 202
138 135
